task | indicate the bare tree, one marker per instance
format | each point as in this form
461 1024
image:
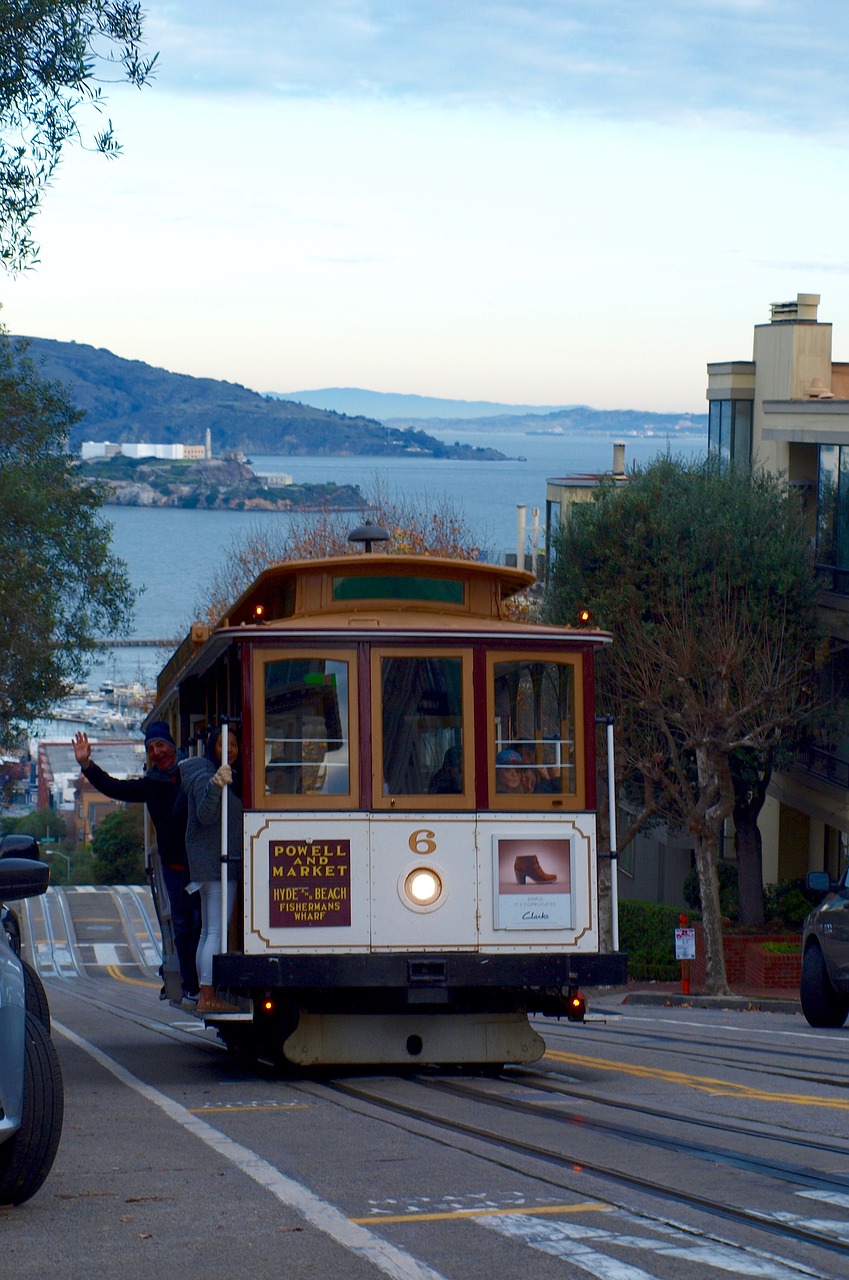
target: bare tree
416 527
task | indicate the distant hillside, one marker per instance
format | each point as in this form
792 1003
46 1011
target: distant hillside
579 420
475 415
127 400
388 405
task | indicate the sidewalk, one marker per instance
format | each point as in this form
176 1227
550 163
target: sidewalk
669 995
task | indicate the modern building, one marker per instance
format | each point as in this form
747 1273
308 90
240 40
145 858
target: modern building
787 410
98 449
92 449
562 492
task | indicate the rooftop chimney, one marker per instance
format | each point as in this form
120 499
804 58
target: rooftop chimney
619 459
804 308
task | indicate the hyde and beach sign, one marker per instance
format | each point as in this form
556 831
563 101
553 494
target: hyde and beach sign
309 883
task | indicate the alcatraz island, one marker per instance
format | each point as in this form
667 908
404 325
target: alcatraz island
208 483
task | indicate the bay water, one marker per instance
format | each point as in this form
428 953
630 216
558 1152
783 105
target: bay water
171 554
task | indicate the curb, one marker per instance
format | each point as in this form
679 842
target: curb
740 1004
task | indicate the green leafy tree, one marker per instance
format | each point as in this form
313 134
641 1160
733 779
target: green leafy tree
54 55
60 586
118 847
701 573
44 824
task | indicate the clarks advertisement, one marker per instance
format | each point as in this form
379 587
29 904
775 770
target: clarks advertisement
309 883
533 883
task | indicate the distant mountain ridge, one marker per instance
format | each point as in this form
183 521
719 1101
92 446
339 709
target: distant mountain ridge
128 400
390 405
459 415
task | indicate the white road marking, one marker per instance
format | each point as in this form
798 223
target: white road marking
568 1240
106 953
561 1240
733 1029
839 1198
322 1215
823 1226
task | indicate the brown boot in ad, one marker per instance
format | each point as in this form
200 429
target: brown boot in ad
527 868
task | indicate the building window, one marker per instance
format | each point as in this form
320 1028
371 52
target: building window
730 430
823 747
833 518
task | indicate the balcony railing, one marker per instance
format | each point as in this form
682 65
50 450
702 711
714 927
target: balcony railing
824 764
832 579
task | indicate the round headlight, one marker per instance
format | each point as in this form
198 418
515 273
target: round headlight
423 886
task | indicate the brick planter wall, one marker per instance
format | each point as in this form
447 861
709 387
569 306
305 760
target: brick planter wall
765 969
744 958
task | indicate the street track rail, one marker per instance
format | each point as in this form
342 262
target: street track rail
567 1162
727 1057
793 1173
142 938
50 936
466 1114
543 1083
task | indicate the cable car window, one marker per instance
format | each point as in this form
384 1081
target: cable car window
306 747
533 731
422 754
439 590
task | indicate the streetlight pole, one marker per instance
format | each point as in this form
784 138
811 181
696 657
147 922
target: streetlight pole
58 853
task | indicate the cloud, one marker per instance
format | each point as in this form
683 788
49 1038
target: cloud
763 63
808 269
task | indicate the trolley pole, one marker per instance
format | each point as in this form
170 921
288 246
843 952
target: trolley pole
611 810
225 796
614 864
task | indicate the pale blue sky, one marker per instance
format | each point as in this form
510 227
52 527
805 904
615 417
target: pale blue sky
548 202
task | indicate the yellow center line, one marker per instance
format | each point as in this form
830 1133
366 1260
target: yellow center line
115 972
532 1211
705 1084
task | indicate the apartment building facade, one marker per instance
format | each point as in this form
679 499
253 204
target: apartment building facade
787 410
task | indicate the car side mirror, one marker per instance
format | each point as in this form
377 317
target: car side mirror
22 878
19 846
819 882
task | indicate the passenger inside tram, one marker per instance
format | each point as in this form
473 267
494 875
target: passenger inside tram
448 779
306 727
421 722
508 772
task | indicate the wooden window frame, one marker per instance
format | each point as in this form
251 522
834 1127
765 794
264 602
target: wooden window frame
464 800
340 800
543 802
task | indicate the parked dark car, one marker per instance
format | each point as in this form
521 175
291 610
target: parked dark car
31 1092
824 989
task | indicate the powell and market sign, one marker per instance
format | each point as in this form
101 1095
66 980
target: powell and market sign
309 883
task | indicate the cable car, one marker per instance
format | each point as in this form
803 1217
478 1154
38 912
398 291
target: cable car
418 781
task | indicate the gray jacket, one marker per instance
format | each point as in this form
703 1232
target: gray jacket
203 831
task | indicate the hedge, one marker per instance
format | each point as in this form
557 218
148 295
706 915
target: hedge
647 933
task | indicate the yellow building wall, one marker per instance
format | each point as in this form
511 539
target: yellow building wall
793 843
